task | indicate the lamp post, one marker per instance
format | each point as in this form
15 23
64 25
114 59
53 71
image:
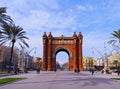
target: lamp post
106 59
38 62
102 56
119 65
1 60
86 63
89 64
25 63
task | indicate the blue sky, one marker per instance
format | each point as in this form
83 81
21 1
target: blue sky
96 19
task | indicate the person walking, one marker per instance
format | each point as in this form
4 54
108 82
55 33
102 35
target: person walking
118 72
92 70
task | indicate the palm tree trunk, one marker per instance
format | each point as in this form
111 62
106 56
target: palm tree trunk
11 56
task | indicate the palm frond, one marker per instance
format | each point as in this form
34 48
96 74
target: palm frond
22 33
23 37
21 45
112 42
2 10
115 37
116 34
4 19
3 42
23 41
13 33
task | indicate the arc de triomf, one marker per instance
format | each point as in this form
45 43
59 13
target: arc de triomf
71 45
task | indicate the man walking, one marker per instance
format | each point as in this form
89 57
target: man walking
92 70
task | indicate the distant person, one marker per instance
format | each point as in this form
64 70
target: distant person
55 70
118 72
75 70
78 70
102 71
38 71
92 70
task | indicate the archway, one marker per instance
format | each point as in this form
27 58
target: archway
71 45
62 58
62 61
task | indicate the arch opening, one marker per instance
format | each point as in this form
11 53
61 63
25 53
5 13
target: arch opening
62 60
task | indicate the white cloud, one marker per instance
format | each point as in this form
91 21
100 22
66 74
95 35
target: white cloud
62 57
49 4
95 40
36 20
81 8
39 19
36 43
60 20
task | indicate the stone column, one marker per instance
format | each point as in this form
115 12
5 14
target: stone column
75 51
71 64
80 37
77 54
44 66
49 52
54 63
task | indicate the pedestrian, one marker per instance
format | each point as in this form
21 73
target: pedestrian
55 70
102 71
118 72
38 71
92 70
75 70
78 70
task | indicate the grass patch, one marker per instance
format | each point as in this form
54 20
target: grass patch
3 73
9 80
116 78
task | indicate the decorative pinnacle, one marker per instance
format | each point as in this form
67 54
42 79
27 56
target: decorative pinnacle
44 35
80 35
74 35
50 35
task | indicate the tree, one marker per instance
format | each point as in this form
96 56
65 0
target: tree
58 65
65 66
116 62
38 64
4 19
115 39
12 34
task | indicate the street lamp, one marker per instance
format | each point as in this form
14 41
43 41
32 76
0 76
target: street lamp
102 56
86 63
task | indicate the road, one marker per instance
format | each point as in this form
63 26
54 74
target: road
64 80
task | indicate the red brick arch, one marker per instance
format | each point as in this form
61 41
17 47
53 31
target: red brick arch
71 45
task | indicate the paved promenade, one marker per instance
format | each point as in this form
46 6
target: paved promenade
64 80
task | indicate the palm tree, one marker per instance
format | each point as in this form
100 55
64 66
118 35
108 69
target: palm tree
115 39
12 34
4 19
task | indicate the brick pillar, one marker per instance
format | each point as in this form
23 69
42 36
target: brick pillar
75 51
71 63
54 63
44 66
80 51
49 52
77 54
